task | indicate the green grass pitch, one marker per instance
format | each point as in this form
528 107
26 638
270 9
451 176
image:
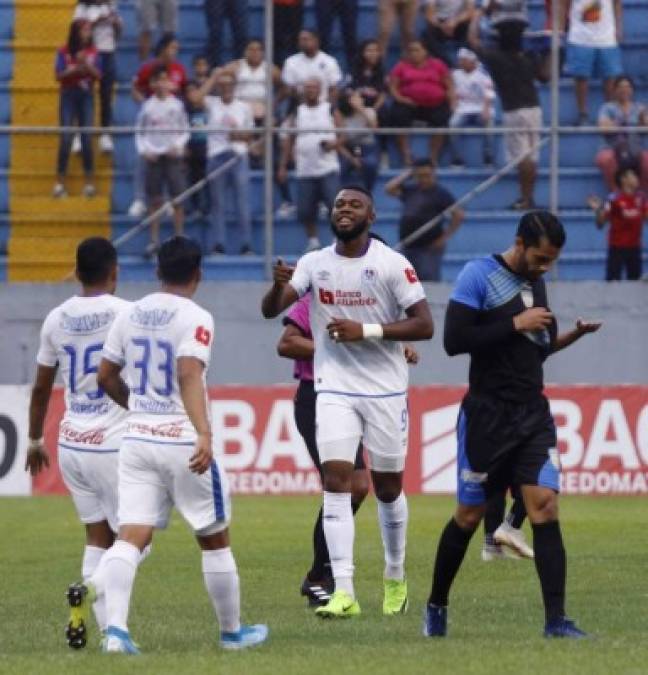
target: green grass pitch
495 620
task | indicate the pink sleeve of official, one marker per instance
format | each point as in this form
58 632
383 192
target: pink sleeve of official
299 313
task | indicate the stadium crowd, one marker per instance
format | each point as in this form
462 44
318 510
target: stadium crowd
466 62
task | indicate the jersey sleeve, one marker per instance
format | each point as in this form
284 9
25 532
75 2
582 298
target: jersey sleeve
47 355
114 348
406 287
197 338
470 288
301 278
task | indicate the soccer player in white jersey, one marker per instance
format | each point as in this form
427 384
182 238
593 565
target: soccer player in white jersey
71 341
366 301
163 345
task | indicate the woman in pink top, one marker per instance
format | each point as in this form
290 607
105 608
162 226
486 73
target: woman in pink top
296 343
423 91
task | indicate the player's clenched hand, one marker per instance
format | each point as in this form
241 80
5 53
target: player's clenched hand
281 273
201 460
37 460
343 330
411 355
535 318
583 326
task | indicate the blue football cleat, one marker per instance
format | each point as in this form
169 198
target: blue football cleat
435 623
563 628
246 636
117 641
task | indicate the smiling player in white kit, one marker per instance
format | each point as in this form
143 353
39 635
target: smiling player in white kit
90 433
163 345
361 289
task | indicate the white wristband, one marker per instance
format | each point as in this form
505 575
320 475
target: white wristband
35 443
372 330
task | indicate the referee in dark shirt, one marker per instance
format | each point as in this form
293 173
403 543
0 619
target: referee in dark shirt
498 313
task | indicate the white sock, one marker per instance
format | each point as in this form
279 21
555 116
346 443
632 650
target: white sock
120 566
222 583
92 556
393 528
339 532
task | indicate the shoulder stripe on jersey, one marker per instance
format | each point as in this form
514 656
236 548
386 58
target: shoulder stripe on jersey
78 449
351 393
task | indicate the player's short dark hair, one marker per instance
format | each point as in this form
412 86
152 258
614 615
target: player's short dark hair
534 225
620 173
252 40
96 258
312 31
178 260
357 188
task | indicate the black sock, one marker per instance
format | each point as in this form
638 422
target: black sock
517 514
321 568
551 564
495 509
450 552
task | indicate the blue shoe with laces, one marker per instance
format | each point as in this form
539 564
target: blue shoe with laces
435 623
564 628
246 636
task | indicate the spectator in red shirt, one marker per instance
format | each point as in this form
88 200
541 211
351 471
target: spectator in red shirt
76 70
166 52
423 91
626 210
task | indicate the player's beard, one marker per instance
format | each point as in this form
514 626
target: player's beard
353 233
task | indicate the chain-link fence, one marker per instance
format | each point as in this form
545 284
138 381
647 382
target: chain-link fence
188 126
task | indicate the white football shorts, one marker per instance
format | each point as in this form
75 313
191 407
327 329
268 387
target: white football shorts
381 423
91 477
155 476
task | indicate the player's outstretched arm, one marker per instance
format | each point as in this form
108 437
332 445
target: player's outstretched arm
582 328
293 345
37 456
194 399
281 294
110 380
417 326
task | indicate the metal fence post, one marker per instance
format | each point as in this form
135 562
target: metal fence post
268 187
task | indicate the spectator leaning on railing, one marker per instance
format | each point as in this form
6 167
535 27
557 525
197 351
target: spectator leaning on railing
316 159
626 209
162 151
77 69
423 199
624 147
106 28
423 92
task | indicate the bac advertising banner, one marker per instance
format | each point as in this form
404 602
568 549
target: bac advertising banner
14 403
602 439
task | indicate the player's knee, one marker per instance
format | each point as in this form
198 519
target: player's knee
359 487
468 517
388 494
545 509
333 482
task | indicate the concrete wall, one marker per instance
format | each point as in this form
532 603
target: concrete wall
244 351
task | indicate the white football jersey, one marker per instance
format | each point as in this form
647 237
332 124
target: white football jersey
147 339
374 288
72 337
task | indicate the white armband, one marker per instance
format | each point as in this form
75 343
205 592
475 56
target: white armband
35 444
372 330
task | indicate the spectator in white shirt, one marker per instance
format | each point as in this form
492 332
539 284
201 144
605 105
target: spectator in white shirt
475 95
316 159
310 62
231 148
106 28
162 151
595 31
